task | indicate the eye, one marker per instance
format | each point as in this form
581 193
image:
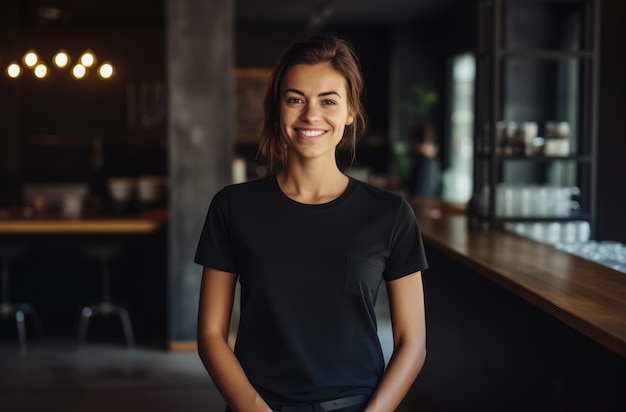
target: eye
329 102
293 100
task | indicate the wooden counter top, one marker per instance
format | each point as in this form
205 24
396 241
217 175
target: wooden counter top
140 223
589 297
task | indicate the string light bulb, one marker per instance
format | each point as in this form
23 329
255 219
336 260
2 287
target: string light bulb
14 70
41 71
87 59
79 71
31 58
106 70
61 59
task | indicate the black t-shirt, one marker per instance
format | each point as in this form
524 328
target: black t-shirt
309 277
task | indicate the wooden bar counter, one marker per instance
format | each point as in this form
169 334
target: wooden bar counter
139 223
589 297
514 324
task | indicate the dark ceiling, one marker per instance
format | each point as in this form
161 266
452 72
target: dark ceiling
140 13
341 10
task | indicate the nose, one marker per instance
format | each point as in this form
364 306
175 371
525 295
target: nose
310 113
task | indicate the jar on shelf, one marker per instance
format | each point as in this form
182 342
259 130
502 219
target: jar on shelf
557 139
506 131
528 131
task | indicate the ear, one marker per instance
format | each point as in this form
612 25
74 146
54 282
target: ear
350 119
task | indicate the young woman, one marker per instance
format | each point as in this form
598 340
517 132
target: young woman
310 247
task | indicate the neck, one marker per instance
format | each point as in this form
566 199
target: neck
312 182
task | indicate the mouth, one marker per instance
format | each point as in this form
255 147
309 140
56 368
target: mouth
310 133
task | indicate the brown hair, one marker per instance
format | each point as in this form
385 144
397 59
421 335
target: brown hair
319 49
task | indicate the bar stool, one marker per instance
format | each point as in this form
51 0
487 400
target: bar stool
104 254
18 310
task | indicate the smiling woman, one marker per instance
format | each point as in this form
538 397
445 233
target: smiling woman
310 257
314 112
341 70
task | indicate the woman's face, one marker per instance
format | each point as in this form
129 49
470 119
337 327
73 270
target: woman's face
313 110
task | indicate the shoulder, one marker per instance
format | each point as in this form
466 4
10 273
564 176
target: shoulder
238 198
377 195
382 202
246 190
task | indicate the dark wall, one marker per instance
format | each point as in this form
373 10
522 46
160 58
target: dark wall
417 57
611 219
260 45
457 35
9 111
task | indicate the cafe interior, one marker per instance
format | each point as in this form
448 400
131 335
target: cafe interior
119 120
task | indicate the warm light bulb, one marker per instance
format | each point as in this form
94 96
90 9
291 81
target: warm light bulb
41 71
88 59
14 70
79 71
106 71
31 58
61 59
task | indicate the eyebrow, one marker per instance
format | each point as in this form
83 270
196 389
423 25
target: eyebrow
296 91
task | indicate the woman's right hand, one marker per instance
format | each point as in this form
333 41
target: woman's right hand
217 294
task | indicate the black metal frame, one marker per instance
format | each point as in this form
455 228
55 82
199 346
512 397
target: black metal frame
490 56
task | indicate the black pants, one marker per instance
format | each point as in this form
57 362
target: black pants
356 408
312 407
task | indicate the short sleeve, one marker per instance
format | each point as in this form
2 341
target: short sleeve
215 245
406 251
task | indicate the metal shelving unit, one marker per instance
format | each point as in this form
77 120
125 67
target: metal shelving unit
536 63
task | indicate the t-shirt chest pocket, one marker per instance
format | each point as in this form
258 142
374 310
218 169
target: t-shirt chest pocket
364 274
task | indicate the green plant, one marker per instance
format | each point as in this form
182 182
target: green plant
402 161
418 101
415 104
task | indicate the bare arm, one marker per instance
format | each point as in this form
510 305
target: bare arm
406 300
216 302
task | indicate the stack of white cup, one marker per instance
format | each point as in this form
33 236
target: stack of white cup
553 232
536 201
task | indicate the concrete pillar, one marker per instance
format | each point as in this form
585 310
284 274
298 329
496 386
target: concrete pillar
200 65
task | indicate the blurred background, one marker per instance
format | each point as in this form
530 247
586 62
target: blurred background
167 110
119 120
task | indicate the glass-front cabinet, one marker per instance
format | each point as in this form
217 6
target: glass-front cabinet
535 117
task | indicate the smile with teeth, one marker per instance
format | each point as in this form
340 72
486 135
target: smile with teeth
310 133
